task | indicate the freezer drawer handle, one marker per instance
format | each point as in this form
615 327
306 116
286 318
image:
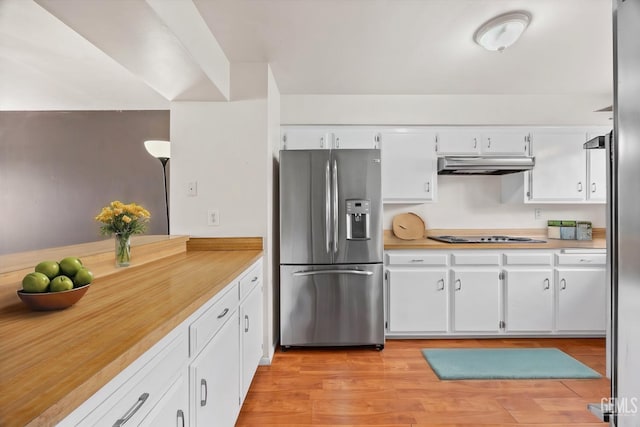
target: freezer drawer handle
316 272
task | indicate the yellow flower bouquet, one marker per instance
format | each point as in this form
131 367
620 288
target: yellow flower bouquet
123 220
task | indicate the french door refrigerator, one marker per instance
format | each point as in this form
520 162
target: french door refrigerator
331 248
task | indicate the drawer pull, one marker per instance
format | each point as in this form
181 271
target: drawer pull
459 285
255 279
563 284
180 418
131 412
417 260
547 284
440 285
246 323
203 392
585 260
224 313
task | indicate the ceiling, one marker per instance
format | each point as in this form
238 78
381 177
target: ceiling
142 54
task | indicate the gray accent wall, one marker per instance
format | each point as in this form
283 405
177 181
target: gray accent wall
58 169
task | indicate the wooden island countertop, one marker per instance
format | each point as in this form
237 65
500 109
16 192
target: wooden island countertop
392 242
51 362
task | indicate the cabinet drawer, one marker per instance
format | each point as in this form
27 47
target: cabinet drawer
251 279
476 259
528 259
206 326
139 394
416 259
582 259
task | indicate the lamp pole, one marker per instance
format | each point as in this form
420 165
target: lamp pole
164 161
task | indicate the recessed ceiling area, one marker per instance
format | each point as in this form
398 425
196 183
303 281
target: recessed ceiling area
53 52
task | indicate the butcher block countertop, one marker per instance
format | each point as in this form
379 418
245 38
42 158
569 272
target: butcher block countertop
51 362
392 242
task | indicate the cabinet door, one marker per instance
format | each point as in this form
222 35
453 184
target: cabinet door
582 300
529 300
305 139
597 190
215 379
409 167
251 341
458 142
560 171
417 300
476 300
355 138
506 143
172 410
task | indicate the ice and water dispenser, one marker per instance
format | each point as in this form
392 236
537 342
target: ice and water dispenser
358 219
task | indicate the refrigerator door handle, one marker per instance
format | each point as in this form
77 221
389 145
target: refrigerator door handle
327 207
317 272
335 206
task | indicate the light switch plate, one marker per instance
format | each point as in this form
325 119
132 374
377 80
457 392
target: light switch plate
192 188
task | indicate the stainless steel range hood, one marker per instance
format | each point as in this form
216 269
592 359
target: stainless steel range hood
483 165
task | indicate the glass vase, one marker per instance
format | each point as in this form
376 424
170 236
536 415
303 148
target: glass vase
123 250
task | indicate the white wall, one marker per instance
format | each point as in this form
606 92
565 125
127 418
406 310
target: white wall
463 202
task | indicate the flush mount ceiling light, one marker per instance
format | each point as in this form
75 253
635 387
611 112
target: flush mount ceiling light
502 31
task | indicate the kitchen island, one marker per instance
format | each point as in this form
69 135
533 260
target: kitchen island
52 362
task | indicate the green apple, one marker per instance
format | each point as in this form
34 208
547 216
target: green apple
35 282
61 283
82 277
49 268
69 266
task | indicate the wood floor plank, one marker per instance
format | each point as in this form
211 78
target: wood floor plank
396 387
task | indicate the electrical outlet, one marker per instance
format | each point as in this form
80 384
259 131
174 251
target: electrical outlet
537 213
213 217
192 188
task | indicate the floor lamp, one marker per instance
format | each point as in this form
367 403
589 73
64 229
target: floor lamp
161 150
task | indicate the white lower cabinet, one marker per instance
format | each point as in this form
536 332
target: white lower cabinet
214 378
417 300
529 300
491 293
251 341
476 300
581 299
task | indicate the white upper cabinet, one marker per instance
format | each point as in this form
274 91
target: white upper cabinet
409 167
481 140
328 137
564 170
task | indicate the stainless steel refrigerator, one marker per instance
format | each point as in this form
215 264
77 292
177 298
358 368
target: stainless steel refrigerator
622 408
331 248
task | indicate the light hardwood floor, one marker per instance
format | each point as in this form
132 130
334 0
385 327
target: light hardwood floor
396 387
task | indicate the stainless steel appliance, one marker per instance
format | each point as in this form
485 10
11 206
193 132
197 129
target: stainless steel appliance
331 246
484 165
622 408
485 239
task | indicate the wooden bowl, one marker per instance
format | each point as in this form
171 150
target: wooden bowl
45 301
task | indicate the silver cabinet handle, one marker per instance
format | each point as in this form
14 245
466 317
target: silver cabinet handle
224 313
246 323
585 260
475 142
322 142
203 392
458 285
427 187
316 272
547 284
180 418
131 412
593 187
255 279
335 206
489 143
580 187
417 260
563 284
337 142
440 285
327 206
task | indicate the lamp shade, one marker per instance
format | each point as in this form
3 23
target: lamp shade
158 149
502 31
